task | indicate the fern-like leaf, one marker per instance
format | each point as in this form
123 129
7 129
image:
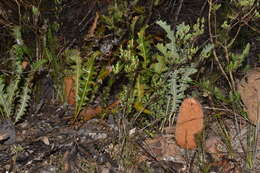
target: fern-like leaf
17 35
3 97
143 46
23 102
181 47
73 57
169 50
172 97
78 73
88 72
237 59
12 94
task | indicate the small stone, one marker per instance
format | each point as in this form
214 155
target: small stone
249 91
7 132
189 123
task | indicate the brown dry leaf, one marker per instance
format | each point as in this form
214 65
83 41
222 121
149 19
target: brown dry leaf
189 123
25 64
69 90
3 136
113 105
93 26
45 140
90 112
249 89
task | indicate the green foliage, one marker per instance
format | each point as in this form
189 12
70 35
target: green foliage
115 17
209 88
35 11
158 89
86 86
231 98
85 75
17 34
127 99
15 93
171 85
128 59
237 59
181 47
170 89
229 32
50 50
124 16
144 47
23 101
169 50
9 93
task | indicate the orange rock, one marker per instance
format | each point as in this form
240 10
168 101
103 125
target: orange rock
189 123
249 90
69 90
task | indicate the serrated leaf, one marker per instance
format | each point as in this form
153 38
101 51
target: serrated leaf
143 46
36 65
23 102
86 86
3 98
160 66
167 28
170 49
237 59
139 89
17 35
12 94
206 51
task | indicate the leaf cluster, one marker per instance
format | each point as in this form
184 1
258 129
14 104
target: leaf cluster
84 73
181 47
15 89
161 78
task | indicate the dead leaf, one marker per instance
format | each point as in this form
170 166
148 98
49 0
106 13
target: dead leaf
25 64
45 140
189 123
93 26
249 90
90 112
69 90
3 136
113 105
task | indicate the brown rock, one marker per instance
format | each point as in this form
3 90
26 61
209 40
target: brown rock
69 90
249 90
189 123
